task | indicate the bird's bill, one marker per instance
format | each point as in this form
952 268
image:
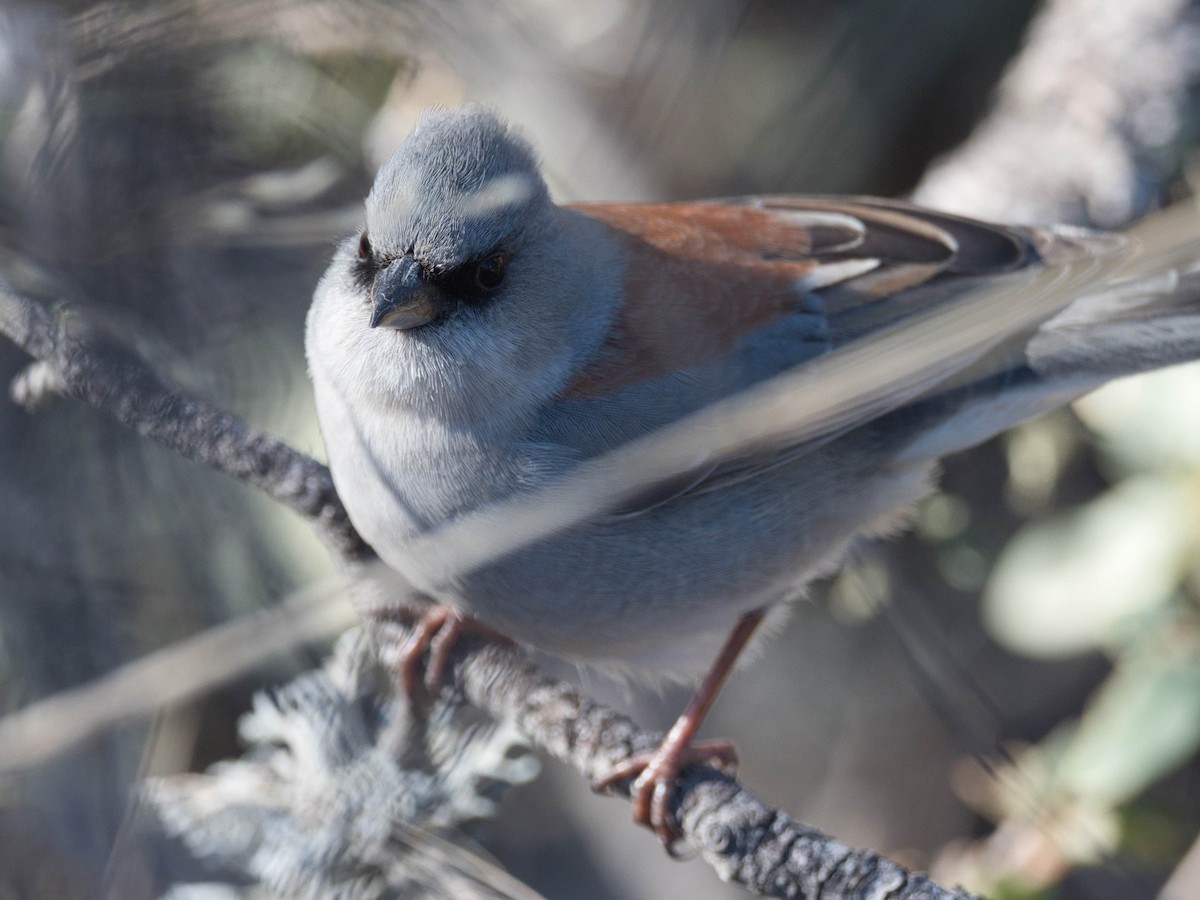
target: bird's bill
403 299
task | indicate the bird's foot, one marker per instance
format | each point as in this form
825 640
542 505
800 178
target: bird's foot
656 775
438 630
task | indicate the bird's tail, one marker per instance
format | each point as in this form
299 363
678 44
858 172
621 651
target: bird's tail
1145 315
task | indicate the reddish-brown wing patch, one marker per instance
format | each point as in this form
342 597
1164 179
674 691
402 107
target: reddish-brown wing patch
698 277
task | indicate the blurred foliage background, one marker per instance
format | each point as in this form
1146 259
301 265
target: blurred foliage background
1010 694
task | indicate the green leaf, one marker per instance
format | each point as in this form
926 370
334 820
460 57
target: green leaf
1141 724
1148 421
1072 584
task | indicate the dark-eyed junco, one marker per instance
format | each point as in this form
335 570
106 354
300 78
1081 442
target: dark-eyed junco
476 343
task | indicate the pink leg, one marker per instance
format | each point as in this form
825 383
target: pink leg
658 772
439 630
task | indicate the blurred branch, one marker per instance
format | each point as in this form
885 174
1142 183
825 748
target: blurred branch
1186 877
80 361
1090 121
169 676
742 838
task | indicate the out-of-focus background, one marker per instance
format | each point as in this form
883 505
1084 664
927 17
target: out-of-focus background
1009 695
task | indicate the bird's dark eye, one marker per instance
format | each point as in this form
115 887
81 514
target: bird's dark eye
364 246
489 274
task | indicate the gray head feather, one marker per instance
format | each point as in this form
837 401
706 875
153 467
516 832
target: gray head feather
458 186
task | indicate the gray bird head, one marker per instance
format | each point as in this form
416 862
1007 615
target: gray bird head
468 290
446 214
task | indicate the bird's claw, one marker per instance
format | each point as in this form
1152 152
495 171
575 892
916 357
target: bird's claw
439 629
655 776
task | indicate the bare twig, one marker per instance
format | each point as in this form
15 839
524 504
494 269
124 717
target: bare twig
743 839
90 365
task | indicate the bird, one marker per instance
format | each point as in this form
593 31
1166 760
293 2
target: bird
476 344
